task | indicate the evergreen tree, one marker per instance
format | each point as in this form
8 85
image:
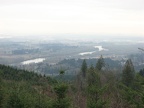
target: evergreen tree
61 89
128 73
100 63
92 77
84 68
94 90
61 101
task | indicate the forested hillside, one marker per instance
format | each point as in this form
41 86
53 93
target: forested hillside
23 89
94 87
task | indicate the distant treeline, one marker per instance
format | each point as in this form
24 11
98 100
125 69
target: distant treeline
25 51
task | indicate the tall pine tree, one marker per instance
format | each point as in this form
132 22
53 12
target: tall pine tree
84 68
100 63
128 73
94 90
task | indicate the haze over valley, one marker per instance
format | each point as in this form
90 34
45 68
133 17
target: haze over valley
46 54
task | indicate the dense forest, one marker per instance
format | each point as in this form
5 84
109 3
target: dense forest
94 87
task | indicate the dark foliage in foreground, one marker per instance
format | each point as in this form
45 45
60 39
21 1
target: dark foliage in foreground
94 87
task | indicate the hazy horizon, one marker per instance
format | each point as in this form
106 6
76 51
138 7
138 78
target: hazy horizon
74 37
81 17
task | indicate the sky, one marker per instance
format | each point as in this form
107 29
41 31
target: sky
85 17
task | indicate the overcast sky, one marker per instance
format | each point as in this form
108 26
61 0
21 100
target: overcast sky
45 17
